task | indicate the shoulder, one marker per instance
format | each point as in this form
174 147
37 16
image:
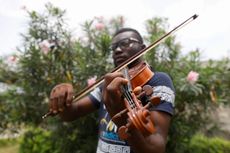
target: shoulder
161 79
162 75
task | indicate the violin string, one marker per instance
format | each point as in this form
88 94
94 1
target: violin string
132 103
128 87
131 99
128 97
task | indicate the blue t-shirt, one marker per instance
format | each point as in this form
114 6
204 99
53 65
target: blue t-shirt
109 140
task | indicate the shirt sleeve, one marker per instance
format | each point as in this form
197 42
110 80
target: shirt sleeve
163 88
96 97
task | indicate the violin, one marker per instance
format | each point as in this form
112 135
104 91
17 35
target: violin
139 116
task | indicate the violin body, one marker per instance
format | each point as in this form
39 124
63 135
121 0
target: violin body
141 77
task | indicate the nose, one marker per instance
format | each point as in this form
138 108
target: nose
118 50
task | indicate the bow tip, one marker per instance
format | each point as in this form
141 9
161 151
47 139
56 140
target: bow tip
195 16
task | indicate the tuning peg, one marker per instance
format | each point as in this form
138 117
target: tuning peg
148 90
154 100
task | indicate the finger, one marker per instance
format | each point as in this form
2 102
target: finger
69 97
110 76
137 90
61 103
55 106
114 88
53 92
116 84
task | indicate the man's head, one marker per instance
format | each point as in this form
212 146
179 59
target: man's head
126 42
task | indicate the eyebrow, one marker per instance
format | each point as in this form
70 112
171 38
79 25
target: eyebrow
131 38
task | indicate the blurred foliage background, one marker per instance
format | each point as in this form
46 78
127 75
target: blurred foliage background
51 54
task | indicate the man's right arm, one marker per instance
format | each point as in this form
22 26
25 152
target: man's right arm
61 102
78 109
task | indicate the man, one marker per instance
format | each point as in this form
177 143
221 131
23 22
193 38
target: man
109 100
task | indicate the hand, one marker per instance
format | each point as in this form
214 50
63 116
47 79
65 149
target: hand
61 97
112 95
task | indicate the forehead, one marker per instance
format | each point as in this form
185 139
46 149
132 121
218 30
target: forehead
124 35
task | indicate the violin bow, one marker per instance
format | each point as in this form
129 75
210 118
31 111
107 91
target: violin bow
134 57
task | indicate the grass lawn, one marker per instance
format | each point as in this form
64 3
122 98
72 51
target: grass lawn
9 148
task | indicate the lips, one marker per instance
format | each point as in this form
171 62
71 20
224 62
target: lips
119 59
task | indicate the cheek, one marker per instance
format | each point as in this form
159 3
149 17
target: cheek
133 51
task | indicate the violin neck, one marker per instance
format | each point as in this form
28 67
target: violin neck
127 89
125 72
128 96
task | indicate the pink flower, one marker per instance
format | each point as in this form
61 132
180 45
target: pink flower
192 77
99 26
91 81
23 8
12 59
45 46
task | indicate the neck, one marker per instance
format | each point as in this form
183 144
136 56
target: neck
135 63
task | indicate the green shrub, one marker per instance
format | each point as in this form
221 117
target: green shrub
37 140
8 142
202 144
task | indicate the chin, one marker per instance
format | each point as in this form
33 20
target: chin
118 63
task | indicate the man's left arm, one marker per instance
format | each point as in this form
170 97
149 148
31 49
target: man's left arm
160 115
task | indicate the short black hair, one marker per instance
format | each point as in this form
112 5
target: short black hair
129 29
